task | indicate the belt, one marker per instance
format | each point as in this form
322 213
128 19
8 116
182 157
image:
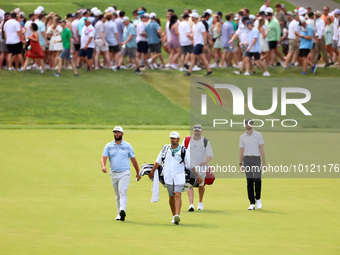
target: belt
252 157
98 38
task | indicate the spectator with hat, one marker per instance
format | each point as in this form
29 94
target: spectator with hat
335 32
87 44
153 31
112 38
199 36
101 43
142 40
274 36
254 49
306 44
129 45
184 30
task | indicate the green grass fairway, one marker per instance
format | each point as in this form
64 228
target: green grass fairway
55 200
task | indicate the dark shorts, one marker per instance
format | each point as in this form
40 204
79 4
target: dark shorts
256 55
272 45
86 53
65 54
198 49
187 49
14 49
156 47
114 49
76 47
142 47
303 53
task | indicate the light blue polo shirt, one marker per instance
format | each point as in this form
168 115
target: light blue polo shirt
151 30
130 30
119 155
41 28
255 33
80 25
306 31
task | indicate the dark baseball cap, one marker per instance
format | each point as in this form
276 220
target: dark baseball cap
185 16
219 13
170 10
262 13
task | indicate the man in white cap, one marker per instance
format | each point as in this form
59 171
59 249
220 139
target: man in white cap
42 9
129 45
306 44
87 44
174 157
199 36
119 152
200 152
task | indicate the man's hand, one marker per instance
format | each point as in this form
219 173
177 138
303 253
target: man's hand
85 47
264 165
151 175
199 180
123 43
104 170
203 163
242 169
138 177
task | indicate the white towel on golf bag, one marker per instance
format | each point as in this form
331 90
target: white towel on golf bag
155 187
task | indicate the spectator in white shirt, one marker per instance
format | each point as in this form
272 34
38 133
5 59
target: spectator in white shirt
335 31
75 38
320 40
199 36
184 30
13 33
27 26
142 40
293 31
87 44
264 7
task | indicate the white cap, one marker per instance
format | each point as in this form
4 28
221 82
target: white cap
336 11
296 10
37 12
117 12
17 10
269 10
94 10
126 18
195 15
302 11
22 13
152 15
302 19
289 13
147 15
194 10
251 16
209 11
236 17
97 13
110 9
41 8
119 129
174 134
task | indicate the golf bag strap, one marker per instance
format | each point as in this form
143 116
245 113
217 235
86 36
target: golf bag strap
164 151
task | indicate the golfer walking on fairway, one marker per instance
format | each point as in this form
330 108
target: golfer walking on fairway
251 151
119 152
174 156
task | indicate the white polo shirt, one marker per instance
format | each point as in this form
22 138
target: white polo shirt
198 30
320 28
86 33
173 170
251 143
140 29
293 27
184 29
12 27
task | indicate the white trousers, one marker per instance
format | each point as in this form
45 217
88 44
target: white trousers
120 182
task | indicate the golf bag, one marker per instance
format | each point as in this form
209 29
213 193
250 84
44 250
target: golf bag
190 178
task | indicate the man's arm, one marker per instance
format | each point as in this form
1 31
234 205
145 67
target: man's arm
252 44
128 39
263 155
135 165
155 166
241 159
103 163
